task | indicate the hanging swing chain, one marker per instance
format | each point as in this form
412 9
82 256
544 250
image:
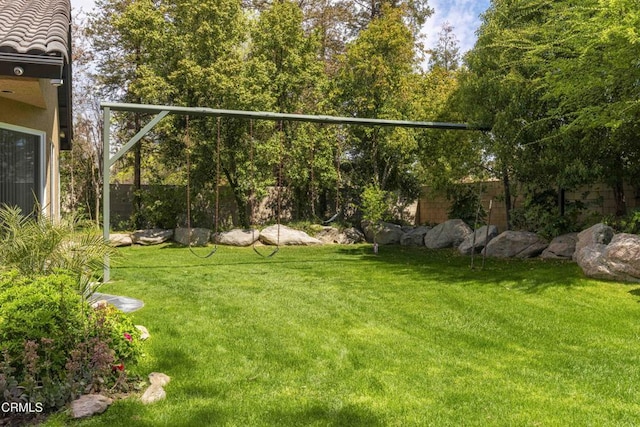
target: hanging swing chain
252 191
187 143
338 175
217 219
279 195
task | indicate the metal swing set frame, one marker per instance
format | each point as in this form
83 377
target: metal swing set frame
162 111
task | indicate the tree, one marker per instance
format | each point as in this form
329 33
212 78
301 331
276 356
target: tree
127 35
377 79
555 82
295 80
446 53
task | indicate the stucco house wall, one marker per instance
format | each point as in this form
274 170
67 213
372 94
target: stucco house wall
35 86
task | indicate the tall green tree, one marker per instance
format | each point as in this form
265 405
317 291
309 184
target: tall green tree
556 82
377 79
295 71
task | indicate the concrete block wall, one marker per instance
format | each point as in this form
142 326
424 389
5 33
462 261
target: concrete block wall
433 208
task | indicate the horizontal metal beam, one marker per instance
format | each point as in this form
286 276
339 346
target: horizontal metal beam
264 115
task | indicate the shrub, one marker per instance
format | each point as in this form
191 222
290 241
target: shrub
54 346
44 307
39 246
540 214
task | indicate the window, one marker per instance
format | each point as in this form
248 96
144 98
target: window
21 167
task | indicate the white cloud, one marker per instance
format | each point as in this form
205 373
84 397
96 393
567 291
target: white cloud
463 15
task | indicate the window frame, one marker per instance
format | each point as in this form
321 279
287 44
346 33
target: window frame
42 160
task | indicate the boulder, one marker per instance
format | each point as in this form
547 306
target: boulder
619 260
446 235
154 236
199 236
481 239
597 234
120 239
288 236
519 244
562 247
414 236
158 378
155 392
329 235
351 236
144 332
623 257
237 237
385 233
90 404
591 261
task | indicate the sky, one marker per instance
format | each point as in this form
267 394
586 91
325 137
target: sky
463 15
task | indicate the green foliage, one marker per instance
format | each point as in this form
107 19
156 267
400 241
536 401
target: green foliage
162 207
557 84
42 307
540 213
374 204
465 204
117 329
54 346
630 223
376 79
38 245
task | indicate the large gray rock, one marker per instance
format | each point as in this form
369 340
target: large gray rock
414 236
446 235
591 261
120 239
329 235
481 239
352 236
287 236
154 236
619 260
597 234
237 237
348 236
562 247
623 256
198 236
385 233
519 244
90 404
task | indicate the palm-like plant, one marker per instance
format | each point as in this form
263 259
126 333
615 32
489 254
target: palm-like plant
36 245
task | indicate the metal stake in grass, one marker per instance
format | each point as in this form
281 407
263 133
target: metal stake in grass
475 226
486 236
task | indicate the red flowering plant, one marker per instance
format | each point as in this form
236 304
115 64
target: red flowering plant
119 331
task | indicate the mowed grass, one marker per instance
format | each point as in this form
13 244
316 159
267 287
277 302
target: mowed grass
336 336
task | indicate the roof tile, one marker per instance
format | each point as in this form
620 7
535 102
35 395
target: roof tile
35 27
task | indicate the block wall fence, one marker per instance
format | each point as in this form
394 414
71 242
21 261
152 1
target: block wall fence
432 207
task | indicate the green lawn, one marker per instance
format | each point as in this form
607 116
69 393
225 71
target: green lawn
335 336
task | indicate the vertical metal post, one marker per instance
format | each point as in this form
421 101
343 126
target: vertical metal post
106 196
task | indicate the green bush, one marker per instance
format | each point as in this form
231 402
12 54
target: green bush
54 346
38 246
465 204
42 307
629 223
540 214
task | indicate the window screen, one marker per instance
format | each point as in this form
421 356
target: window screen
20 180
